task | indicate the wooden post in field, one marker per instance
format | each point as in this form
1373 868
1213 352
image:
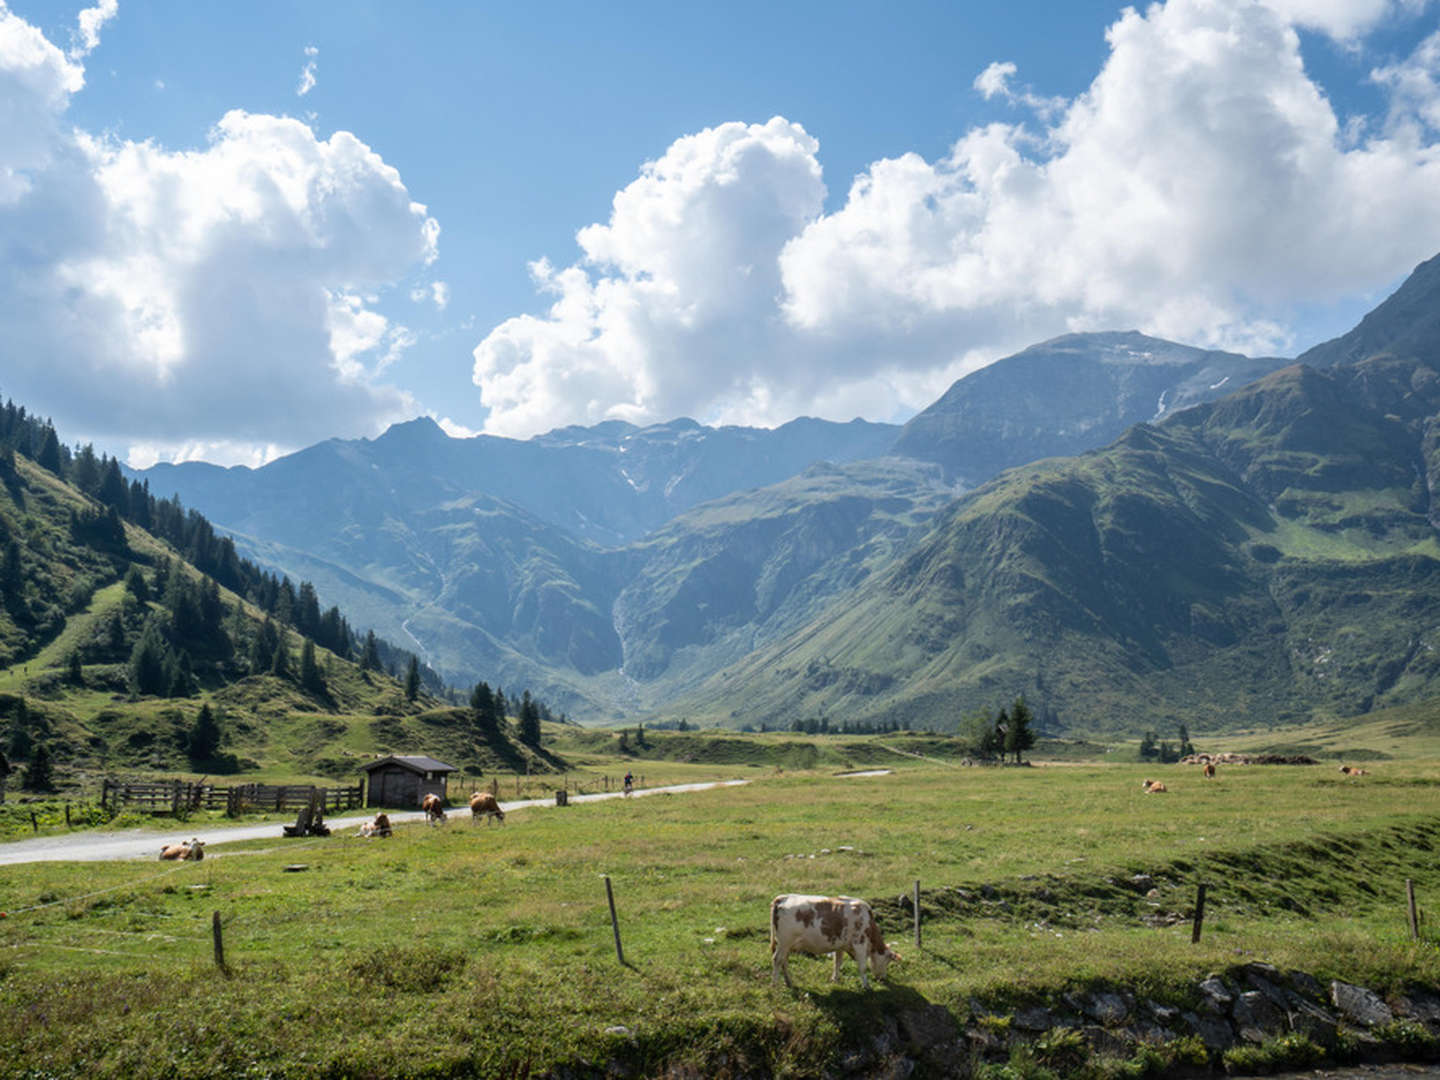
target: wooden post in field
614 922
1414 915
34 824
917 913
67 816
219 943
1199 912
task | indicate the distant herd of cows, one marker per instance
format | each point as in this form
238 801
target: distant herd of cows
817 925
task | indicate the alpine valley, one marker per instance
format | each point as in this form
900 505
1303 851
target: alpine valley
1125 530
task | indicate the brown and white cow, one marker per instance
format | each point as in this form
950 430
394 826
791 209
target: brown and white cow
434 811
192 850
1209 770
826 924
483 804
1153 786
1351 770
379 827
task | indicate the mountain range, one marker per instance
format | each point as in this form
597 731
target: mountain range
1126 530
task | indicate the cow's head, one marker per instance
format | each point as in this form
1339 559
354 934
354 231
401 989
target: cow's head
880 961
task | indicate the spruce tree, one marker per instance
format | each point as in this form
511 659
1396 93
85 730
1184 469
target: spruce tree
149 662
48 456
1020 736
75 672
529 720
204 742
40 776
135 584
370 655
310 677
113 491
20 742
412 679
280 662
12 575
482 708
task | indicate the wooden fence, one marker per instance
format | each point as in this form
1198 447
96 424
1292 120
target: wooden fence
177 796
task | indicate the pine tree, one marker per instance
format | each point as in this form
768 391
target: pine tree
149 662
113 491
529 720
12 575
370 655
1186 746
179 675
1148 749
48 456
75 671
135 584
482 708
204 742
310 677
20 742
280 661
86 473
40 776
412 679
115 636
1020 737
262 648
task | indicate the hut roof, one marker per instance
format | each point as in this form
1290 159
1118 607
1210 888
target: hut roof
419 763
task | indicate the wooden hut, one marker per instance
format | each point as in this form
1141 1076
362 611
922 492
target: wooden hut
403 780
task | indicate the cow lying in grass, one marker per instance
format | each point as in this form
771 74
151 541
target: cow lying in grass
1153 786
193 851
483 804
1351 770
826 924
434 811
379 827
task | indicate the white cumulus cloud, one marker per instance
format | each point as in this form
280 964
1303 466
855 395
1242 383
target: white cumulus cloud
670 310
217 297
1201 188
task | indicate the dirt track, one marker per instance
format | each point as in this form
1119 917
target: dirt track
146 843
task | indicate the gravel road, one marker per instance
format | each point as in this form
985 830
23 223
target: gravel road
146 843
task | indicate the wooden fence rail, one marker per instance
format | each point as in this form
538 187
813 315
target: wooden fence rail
176 796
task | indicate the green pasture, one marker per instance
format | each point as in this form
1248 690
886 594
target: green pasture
466 950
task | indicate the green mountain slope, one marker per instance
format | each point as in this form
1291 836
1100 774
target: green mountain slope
112 644
1258 560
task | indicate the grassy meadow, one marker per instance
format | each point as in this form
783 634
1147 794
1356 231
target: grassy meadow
466 950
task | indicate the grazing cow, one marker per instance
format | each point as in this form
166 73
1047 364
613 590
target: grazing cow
379 827
1209 770
1152 786
483 804
191 851
826 924
434 812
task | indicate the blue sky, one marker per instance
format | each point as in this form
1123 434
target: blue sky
250 268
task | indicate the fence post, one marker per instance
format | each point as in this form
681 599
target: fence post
917 913
1199 912
67 825
614 922
1414 915
219 942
